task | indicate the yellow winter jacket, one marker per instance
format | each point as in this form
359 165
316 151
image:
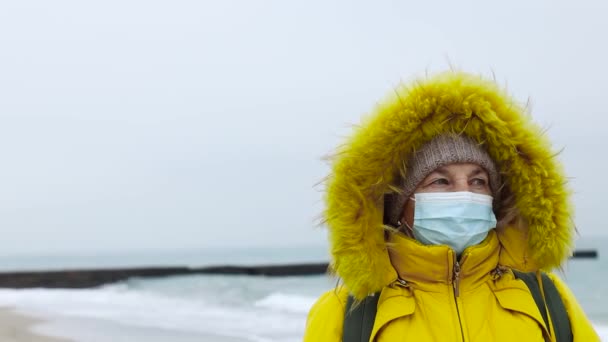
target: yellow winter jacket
485 305
483 301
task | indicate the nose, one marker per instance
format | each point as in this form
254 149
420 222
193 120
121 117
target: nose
461 184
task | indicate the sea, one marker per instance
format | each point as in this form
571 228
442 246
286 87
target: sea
215 307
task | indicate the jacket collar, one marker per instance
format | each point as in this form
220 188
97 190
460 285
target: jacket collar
427 267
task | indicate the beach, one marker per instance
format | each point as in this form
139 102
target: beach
16 328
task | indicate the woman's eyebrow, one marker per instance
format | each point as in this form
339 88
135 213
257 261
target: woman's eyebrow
440 170
477 171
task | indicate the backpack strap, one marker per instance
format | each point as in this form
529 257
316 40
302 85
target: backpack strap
359 318
555 306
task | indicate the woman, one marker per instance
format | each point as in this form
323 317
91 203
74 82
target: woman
443 209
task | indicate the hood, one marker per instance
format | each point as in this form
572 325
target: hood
366 168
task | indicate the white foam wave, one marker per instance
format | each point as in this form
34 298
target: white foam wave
286 303
602 331
266 321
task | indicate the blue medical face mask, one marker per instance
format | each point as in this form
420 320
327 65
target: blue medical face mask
455 219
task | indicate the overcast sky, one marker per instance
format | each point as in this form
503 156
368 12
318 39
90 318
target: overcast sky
169 124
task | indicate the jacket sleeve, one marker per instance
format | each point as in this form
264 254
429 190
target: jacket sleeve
326 317
582 329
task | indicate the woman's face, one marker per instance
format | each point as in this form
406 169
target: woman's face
450 178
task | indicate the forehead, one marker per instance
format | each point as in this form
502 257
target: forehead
460 168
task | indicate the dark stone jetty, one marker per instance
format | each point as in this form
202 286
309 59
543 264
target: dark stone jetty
93 278
96 277
585 253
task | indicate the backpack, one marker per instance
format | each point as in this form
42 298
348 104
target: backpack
359 320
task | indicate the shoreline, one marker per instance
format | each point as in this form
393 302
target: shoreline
16 327
30 327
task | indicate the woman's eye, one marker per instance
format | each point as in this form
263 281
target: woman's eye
479 181
440 181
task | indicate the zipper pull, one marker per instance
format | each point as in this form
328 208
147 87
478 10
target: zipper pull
401 282
498 272
456 281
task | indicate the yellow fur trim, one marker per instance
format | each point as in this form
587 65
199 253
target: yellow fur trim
365 167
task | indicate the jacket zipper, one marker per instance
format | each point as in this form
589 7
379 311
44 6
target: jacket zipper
456 281
456 285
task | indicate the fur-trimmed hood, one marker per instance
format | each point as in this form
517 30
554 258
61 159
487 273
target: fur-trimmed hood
367 166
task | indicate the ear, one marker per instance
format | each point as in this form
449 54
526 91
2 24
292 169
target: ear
407 217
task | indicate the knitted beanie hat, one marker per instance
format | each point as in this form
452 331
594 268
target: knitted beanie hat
442 150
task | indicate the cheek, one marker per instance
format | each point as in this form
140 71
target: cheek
485 190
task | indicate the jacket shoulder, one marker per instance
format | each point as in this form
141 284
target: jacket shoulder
326 317
582 329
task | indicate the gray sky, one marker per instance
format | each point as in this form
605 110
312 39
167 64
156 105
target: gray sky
169 124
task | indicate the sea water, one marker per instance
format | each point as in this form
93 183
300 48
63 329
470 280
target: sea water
222 308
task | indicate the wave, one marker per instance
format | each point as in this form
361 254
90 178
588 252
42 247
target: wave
276 317
280 301
602 331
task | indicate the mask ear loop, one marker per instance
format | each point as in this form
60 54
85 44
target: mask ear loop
400 225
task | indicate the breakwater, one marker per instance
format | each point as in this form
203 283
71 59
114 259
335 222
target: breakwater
87 278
